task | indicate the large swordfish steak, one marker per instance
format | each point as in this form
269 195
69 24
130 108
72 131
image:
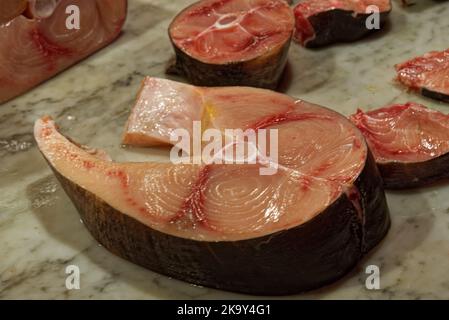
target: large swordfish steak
36 44
225 225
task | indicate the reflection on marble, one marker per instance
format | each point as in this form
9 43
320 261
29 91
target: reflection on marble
41 233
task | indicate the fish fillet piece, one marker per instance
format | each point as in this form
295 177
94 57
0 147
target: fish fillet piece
151 114
232 42
225 225
428 74
322 22
33 50
409 142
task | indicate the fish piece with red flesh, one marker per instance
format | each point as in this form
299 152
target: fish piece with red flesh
323 22
428 74
232 42
409 142
225 225
33 49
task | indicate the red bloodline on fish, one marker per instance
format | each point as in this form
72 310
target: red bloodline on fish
207 9
284 118
48 48
194 204
88 164
124 183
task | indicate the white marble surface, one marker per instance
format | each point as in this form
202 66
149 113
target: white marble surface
41 233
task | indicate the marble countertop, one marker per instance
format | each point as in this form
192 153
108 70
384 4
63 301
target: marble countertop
41 232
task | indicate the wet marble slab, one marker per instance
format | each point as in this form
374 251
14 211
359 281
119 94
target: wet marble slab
40 230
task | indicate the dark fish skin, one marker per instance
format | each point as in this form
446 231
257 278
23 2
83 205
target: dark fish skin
400 175
340 26
435 95
300 259
262 72
376 218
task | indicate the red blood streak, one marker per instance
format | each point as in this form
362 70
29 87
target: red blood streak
50 50
205 10
124 183
305 183
132 202
194 203
121 175
357 143
88 164
285 117
323 167
304 29
46 132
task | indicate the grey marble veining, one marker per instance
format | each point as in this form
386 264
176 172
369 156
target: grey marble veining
41 233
